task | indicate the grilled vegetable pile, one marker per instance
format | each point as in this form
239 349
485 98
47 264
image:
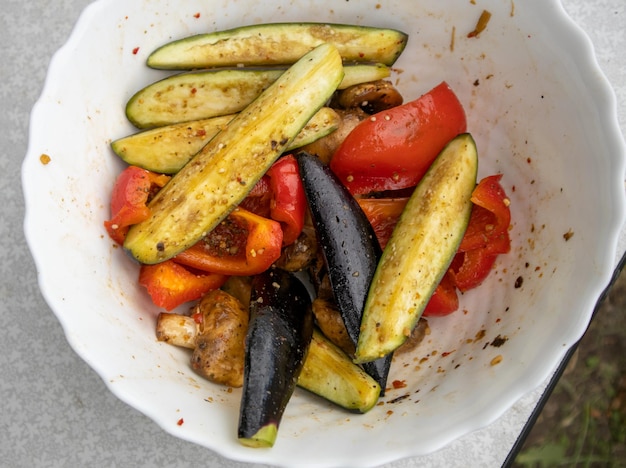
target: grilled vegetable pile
298 215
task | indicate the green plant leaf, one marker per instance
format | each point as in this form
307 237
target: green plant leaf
547 455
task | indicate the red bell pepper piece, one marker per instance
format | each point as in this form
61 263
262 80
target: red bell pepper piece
131 192
243 244
288 204
444 300
259 199
487 234
393 149
471 268
170 284
490 219
383 214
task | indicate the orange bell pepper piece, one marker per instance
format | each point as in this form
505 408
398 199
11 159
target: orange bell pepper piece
170 284
243 244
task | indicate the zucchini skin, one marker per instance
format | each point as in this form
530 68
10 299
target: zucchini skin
197 95
349 246
215 181
277 341
278 44
421 248
330 373
167 149
213 93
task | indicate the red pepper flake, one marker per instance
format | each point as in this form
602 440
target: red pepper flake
135 50
197 15
180 422
447 353
398 384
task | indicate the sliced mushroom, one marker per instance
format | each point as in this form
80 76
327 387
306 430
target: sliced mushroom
239 287
371 97
177 330
219 352
325 147
302 253
417 336
329 320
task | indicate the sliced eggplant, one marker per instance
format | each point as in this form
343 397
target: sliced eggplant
349 246
278 44
279 335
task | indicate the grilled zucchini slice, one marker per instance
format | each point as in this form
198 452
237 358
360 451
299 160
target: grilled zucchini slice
211 93
215 181
419 251
167 149
331 374
278 44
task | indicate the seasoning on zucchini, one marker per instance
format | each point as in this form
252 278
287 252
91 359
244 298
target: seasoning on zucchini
277 341
212 93
167 149
420 250
278 44
215 181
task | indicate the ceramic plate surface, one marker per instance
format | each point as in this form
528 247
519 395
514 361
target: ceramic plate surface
542 114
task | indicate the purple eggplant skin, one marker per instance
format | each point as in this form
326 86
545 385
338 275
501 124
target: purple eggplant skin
349 245
277 341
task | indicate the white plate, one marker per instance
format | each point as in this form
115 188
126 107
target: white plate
541 112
